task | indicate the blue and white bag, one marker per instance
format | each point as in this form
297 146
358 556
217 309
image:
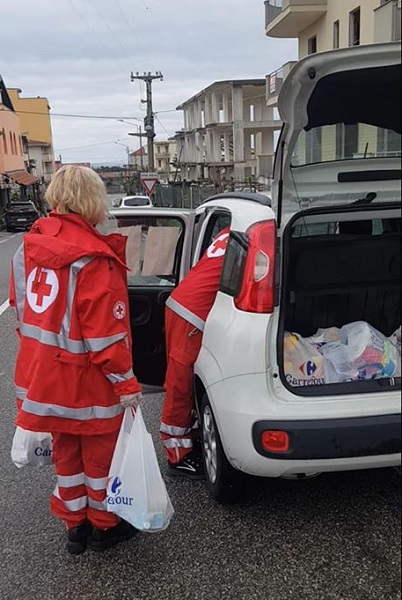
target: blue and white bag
136 491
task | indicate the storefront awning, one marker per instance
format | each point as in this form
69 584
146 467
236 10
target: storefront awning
22 177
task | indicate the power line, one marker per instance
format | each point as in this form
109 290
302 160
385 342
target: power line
95 33
114 36
52 114
161 124
125 20
88 145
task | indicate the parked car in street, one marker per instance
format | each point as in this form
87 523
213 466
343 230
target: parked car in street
20 215
272 396
130 201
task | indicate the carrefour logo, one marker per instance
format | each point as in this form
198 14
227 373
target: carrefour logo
115 491
308 368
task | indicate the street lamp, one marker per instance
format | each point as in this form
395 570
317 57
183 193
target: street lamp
137 134
128 154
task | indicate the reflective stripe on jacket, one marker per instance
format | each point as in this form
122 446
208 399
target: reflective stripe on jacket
68 288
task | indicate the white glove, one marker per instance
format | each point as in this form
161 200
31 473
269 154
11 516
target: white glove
131 400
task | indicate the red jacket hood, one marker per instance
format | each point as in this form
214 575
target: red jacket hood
59 240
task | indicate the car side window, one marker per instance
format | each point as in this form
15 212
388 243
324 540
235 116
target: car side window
217 222
153 248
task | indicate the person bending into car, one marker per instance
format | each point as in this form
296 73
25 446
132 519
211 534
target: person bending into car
187 309
73 372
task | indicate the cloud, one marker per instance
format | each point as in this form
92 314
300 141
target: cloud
79 54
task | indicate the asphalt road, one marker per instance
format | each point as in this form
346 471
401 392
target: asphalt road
336 537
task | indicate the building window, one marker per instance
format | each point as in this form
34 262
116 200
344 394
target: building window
313 145
336 35
354 27
4 138
312 45
347 140
388 143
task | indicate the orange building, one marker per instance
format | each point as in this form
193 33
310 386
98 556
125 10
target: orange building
34 114
12 167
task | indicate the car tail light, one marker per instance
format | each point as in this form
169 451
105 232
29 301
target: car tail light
275 441
257 293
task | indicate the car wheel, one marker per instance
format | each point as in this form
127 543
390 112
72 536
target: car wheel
8 228
225 483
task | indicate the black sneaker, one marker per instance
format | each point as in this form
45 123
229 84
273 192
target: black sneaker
77 538
101 539
191 467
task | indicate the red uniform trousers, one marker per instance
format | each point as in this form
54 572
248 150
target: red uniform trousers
82 465
183 343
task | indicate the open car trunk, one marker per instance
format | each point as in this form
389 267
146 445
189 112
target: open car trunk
341 266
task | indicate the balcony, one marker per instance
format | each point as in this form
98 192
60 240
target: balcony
387 21
275 82
287 18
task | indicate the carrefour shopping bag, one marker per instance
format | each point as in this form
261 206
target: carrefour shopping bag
31 448
136 491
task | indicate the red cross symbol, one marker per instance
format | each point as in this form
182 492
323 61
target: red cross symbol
119 310
40 287
219 246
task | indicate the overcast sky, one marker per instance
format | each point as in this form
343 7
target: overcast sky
79 54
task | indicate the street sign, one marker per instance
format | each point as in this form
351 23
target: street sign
149 180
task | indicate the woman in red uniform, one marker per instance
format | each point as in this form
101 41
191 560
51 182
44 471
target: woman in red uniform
73 372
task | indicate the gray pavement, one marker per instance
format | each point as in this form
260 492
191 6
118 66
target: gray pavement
9 243
336 537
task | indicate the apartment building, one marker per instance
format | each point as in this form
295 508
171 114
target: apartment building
227 134
322 25
35 123
14 178
165 152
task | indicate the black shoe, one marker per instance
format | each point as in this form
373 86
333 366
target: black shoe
191 467
77 538
101 539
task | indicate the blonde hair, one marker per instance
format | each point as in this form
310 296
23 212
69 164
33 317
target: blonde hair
78 190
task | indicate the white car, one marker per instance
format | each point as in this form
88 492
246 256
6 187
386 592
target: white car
323 253
131 201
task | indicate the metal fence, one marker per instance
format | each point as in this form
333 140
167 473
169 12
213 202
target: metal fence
182 196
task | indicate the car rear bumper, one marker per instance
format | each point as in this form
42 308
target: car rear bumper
334 438
20 222
325 435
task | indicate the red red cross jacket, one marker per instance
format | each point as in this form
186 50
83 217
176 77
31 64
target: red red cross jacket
193 298
68 287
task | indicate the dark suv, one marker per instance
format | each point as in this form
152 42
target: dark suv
20 215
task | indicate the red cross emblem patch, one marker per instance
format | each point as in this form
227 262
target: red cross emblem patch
218 246
119 310
42 289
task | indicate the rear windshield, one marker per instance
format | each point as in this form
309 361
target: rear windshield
136 202
22 206
344 142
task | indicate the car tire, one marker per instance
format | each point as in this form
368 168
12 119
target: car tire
225 484
9 229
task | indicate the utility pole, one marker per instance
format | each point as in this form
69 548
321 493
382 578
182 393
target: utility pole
149 123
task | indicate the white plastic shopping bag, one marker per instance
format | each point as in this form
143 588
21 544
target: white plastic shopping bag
136 491
303 362
31 448
362 353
